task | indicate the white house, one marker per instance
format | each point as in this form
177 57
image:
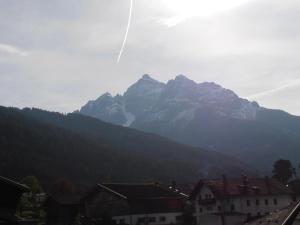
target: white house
234 201
136 204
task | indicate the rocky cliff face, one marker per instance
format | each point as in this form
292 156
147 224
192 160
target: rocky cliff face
177 100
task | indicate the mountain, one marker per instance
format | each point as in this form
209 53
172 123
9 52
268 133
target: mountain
203 115
86 150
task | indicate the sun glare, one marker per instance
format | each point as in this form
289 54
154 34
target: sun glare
185 9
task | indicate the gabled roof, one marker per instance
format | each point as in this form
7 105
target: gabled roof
140 191
241 187
12 183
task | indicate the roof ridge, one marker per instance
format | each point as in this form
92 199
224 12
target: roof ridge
130 184
19 185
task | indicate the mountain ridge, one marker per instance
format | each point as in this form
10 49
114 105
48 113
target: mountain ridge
204 115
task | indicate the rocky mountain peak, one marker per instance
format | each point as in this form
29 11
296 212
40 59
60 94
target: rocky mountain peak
145 85
106 95
181 77
178 99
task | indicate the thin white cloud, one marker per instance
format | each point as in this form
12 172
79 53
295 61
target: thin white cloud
12 50
274 90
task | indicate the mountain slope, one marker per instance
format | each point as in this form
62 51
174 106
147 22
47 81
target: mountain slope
205 115
86 150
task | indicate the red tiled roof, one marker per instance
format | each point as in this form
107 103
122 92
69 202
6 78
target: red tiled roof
242 187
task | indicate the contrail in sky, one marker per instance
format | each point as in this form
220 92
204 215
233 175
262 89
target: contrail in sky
274 90
126 34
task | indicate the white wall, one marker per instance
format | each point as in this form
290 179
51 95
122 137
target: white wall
205 213
170 218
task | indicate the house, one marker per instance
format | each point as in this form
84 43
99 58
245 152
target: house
10 195
122 203
294 185
63 204
234 201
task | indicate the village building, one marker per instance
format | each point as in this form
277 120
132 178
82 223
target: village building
63 204
234 201
10 195
134 204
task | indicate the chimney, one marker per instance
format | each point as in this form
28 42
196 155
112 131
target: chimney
267 181
225 184
173 185
245 180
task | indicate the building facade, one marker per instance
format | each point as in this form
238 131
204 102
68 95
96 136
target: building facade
234 201
135 204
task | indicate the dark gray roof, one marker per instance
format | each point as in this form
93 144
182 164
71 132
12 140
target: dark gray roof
12 183
140 191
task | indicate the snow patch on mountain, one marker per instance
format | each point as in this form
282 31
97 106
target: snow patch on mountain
186 115
247 111
130 118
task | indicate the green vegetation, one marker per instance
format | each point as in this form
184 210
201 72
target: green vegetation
33 183
31 204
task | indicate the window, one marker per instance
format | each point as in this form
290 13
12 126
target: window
209 208
208 196
257 201
141 220
232 207
219 208
152 219
178 218
122 221
275 201
258 214
266 202
200 209
248 202
162 218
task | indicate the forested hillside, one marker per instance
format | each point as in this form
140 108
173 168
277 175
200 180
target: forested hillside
85 150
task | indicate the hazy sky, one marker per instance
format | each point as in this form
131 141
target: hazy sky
59 54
